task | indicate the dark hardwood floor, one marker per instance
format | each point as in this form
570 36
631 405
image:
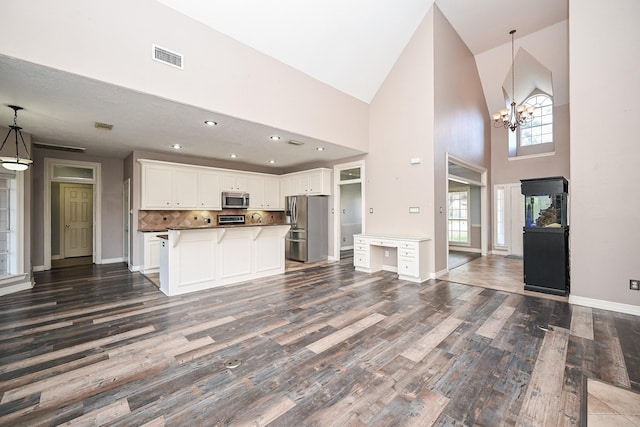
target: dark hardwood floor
98 345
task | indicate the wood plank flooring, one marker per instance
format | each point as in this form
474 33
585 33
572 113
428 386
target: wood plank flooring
323 346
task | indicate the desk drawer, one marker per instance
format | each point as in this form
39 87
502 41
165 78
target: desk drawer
408 267
381 242
406 253
408 245
361 259
361 247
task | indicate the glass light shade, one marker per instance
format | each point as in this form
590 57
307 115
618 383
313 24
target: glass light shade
15 166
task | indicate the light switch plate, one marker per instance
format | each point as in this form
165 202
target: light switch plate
414 209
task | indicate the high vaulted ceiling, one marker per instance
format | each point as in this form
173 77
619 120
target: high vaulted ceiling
348 44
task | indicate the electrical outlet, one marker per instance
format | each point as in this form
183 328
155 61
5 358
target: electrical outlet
634 284
386 253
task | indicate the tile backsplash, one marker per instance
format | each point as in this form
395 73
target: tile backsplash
161 220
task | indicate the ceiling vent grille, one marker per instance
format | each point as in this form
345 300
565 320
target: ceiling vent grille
167 57
294 142
58 147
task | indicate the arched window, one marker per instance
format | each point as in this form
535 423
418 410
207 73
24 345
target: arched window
540 129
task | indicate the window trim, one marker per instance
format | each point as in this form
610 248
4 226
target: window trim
517 151
20 275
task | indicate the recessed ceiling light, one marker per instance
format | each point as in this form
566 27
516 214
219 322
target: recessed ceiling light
176 146
233 156
210 123
275 137
320 148
272 161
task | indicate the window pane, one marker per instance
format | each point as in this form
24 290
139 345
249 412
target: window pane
60 171
531 133
349 174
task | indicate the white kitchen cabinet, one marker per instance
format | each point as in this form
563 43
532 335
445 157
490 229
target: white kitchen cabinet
234 182
272 198
264 193
156 180
412 255
151 252
185 189
166 187
314 182
209 194
177 187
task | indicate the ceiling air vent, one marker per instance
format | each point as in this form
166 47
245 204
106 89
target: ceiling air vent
166 56
58 147
294 142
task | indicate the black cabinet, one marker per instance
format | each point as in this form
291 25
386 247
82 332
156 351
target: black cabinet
546 260
546 235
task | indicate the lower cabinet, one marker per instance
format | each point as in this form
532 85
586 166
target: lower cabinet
412 258
151 252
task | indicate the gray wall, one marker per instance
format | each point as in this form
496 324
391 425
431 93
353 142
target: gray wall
112 224
461 125
605 178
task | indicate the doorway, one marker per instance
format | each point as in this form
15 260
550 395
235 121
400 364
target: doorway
72 217
467 212
348 207
75 217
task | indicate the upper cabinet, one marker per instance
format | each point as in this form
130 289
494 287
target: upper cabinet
178 188
173 186
264 193
165 187
311 182
209 194
234 182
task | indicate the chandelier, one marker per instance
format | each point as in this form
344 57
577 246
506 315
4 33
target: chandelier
15 163
515 115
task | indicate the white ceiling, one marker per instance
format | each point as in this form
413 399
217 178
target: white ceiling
349 44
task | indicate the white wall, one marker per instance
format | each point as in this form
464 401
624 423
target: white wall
605 149
111 41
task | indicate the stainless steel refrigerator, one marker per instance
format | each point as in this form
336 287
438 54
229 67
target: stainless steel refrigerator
308 237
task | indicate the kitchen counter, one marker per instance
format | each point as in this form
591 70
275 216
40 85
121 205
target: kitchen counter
209 226
203 257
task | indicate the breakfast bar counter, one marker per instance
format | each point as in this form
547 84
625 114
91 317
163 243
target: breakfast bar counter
197 258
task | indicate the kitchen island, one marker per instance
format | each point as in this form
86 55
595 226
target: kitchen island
197 258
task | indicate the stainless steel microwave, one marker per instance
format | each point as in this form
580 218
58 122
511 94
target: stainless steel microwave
235 200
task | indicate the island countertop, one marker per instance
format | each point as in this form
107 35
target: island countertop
208 226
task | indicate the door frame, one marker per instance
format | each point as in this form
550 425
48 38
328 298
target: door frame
484 200
335 210
49 164
126 210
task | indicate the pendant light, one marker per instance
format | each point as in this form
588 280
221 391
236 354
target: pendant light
15 163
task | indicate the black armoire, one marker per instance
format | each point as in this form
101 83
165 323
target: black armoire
546 235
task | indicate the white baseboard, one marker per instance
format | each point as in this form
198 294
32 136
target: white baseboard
464 249
56 257
346 248
134 267
332 258
499 252
38 268
605 305
112 260
16 287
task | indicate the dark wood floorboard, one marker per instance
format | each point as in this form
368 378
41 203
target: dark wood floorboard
99 345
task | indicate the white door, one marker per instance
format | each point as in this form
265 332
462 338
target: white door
78 220
517 220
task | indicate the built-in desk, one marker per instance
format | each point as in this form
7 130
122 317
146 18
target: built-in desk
413 262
